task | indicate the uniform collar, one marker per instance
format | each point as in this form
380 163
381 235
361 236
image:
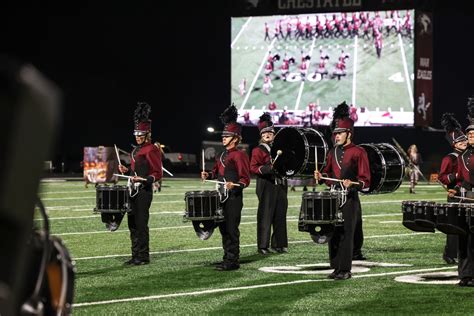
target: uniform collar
346 146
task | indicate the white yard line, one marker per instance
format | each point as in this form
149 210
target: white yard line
300 92
242 246
240 32
256 75
354 72
405 68
250 287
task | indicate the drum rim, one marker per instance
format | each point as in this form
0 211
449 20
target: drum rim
202 192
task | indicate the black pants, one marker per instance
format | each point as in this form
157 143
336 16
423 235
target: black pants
138 224
466 256
272 208
358 235
451 247
229 229
341 245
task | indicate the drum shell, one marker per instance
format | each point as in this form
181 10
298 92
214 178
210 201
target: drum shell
453 218
321 208
112 199
409 211
297 146
425 214
387 167
202 205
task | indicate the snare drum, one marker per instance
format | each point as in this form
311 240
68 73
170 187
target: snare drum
453 218
204 209
408 211
321 207
112 199
425 214
203 205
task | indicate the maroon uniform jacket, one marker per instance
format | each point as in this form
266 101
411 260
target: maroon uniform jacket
348 162
232 165
260 164
449 166
465 168
146 163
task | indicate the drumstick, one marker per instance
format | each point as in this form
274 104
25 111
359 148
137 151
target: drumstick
118 157
221 182
203 161
128 177
316 157
444 187
279 153
462 198
337 180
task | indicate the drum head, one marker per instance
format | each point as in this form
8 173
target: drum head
321 234
297 147
204 228
387 167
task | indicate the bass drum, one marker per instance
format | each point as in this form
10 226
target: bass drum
387 167
298 146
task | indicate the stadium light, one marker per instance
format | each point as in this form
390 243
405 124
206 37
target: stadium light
210 129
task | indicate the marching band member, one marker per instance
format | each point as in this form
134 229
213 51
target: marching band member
347 162
465 186
146 168
271 192
414 159
447 174
232 167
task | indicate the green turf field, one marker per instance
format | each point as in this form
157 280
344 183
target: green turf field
376 83
181 280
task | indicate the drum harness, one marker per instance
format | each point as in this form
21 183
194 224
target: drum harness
133 187
221 188
277 180
343 190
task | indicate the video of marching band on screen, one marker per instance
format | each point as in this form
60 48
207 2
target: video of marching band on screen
299 67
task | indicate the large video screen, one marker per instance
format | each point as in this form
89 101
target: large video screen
298 68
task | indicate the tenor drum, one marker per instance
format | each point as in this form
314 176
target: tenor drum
453 218
112 199
387 167
298 147
409 211
425 214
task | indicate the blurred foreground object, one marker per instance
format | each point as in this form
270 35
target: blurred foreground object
28 123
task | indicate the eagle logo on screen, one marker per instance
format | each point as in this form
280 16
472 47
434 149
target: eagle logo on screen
424 23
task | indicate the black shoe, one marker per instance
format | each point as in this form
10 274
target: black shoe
264 251
129 262
137 262
449 260
217 263
280 250
343 275
333 274
228 266
359 257
466 282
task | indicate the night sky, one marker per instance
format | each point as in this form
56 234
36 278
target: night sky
178 60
